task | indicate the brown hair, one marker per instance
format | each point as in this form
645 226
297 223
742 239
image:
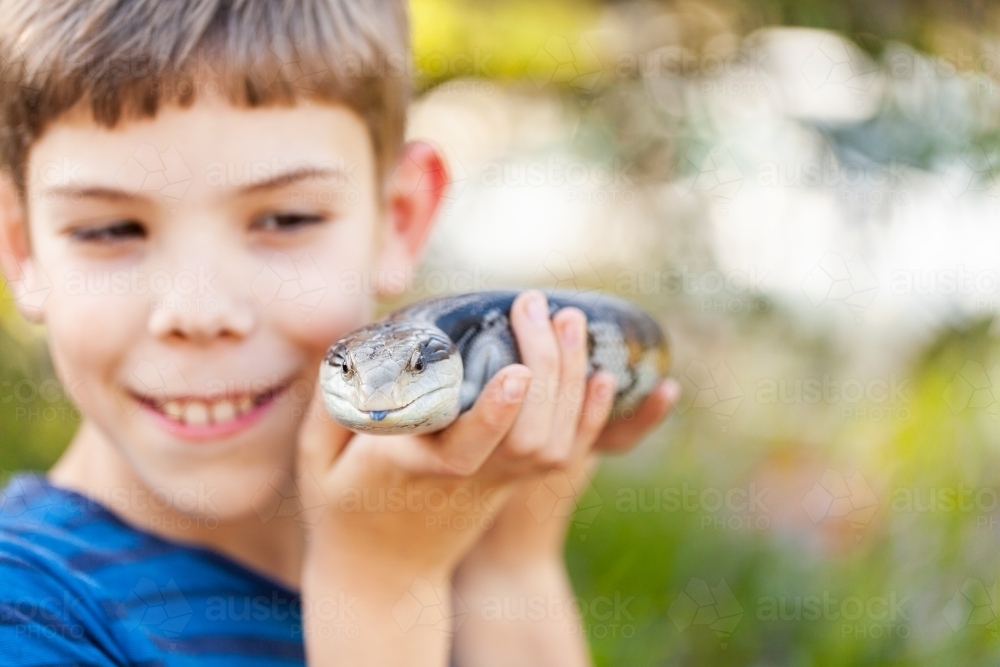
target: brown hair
125 58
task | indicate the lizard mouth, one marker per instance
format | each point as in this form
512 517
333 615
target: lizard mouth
428 412
379 415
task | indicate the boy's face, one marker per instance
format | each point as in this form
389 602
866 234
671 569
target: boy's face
200 264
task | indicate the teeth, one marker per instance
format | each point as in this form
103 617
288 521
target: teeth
223 411
173 409
196 413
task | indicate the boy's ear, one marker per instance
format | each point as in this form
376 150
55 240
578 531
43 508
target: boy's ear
416 189
23 278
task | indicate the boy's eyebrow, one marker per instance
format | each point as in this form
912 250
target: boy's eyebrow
272 182
91 192
302 173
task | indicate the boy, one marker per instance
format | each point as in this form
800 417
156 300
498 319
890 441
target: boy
165 163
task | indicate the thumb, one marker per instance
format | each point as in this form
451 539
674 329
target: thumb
321 438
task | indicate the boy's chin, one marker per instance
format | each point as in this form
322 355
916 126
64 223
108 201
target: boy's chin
247 475
228 494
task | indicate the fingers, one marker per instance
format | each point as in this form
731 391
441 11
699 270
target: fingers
622 434
595 413
463 447
539 349
571 327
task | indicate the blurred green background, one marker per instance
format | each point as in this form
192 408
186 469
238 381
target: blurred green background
804 193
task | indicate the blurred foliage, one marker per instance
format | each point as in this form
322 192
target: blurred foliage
509 35
36 419
913 584
490 39
922 23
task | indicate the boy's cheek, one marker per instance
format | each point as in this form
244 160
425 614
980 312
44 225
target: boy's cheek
91 327
316 324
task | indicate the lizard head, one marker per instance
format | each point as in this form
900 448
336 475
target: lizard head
393 377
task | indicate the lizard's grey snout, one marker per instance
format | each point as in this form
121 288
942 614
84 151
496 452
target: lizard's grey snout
376 389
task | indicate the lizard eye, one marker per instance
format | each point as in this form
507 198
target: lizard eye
417 361
338 359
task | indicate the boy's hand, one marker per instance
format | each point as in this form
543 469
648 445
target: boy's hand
521 557
403 510
524 531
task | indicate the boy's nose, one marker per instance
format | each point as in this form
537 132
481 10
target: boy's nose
204 320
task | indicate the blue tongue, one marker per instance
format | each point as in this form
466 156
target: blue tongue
378 415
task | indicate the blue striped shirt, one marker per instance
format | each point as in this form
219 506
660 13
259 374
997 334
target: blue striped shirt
80 587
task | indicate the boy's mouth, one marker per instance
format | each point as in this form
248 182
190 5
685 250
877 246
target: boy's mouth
195 411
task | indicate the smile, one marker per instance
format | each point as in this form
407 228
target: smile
197 417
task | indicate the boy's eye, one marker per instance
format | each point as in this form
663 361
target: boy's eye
283 221
119 231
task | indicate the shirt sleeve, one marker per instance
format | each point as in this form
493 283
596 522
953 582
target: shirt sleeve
51 615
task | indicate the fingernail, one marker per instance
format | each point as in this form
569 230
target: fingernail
538 309
571 334
672 390
513 387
